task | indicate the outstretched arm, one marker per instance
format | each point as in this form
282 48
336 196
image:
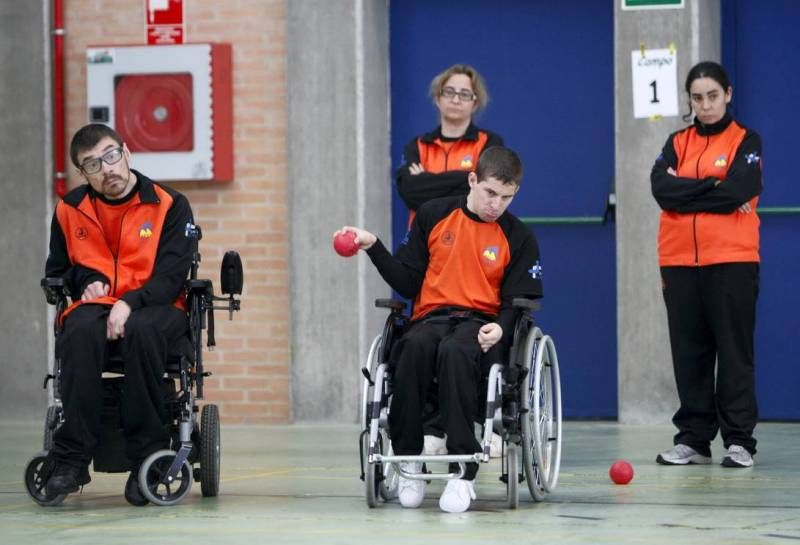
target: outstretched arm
403 278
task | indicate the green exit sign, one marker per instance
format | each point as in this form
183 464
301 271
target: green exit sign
651 4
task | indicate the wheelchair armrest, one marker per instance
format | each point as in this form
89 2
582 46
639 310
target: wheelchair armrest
393 304
201 287
54 289
526 304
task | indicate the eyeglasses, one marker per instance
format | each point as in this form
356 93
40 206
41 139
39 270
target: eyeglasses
94 165
465 94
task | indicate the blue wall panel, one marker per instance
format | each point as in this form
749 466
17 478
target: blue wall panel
761 45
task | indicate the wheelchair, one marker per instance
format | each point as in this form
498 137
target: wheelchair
165 477
523 406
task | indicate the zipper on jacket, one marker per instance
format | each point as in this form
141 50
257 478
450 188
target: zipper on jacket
694 218
116 257
113 290
100 225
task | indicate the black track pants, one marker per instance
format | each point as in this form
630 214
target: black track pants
449 351
711 314
83 350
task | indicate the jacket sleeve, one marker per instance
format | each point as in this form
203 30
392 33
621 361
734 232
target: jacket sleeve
59 265
742 183
671 192
416 189
404 279
173 260
405 270
523 278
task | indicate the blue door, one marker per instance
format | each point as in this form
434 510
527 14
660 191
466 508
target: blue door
549 69
760 47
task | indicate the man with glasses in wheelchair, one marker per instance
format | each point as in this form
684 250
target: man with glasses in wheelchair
122 245
463 262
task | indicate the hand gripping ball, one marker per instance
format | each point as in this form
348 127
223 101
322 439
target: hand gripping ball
345 245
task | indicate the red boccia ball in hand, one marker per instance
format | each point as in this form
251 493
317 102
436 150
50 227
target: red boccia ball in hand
345 245
621 472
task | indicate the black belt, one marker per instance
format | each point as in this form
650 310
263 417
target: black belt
442 314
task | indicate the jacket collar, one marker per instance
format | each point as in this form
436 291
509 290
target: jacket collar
147 193
470 134
714 128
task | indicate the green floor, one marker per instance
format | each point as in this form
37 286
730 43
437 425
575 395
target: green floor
299 484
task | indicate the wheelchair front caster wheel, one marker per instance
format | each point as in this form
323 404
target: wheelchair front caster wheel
155 483
37 473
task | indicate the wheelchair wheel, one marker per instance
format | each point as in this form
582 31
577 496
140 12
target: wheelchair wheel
37 473
370 473
209 451
51 422
152 472
541 426
380 480
512 475
371 364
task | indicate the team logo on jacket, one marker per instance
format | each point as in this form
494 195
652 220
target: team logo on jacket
752 158
81 233
721 161
490 253
448 238
146 230
536 271
466 162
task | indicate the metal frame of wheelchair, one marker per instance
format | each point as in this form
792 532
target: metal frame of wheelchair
523 406
165 477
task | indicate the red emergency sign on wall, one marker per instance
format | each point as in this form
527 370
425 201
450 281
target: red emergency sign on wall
172 104
164 22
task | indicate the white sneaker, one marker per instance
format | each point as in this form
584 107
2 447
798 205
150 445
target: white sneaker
680 455
434 446
457 496
410 492
495 446
737 456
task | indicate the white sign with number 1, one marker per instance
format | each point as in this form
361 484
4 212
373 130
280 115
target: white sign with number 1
655 82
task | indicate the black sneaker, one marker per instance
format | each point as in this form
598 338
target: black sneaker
66 479
132 491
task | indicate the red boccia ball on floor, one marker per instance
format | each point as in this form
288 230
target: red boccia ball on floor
345 244
621 472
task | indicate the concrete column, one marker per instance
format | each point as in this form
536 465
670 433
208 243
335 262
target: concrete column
25 165
646 384
339 174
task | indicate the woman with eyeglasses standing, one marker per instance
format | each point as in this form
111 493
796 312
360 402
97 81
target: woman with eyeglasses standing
707 181
437 162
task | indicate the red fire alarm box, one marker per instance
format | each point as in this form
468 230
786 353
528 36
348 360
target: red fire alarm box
172 104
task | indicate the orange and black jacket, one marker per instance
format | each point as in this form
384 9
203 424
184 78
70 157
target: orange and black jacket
154 254
446 161
450 258
718 170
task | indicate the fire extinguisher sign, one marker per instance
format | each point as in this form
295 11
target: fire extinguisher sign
164 22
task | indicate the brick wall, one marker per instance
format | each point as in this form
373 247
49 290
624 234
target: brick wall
251 362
